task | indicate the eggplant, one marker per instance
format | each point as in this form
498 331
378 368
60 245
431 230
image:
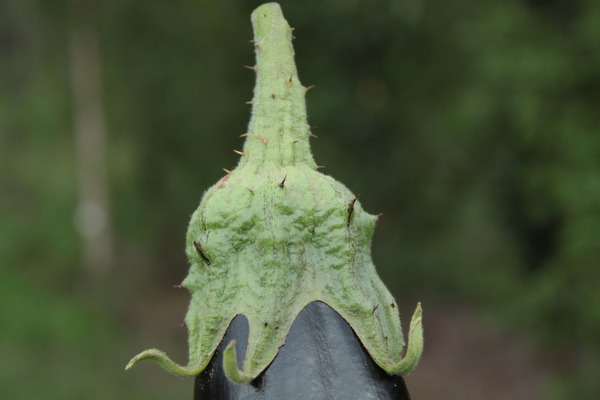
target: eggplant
275 240
322 358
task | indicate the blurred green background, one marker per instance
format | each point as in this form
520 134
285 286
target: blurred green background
473 126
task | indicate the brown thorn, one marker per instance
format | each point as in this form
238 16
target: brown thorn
273 95
255 68
258 47
312 127
250 190
378 216
182 325
351 209
306 89
226 170
265 141
244 134
180 286
250 102
375 308
320 166
241 153
282 183
295 141
313 135
198 247
292 29
290 80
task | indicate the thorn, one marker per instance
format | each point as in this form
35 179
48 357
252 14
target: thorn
198 247
226 170
313 135
255 68
290 80
282 184
306 89
312 127
180 286
378 216
375 308
273 95
250 190
293 37
182 325
265 141
292 29
241 153
320 166
258 47
251 40
351 209
244 134
266 323
295 141
250 102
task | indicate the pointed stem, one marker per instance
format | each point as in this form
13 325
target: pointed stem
278 132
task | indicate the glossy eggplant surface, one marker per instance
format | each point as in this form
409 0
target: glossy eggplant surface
322 359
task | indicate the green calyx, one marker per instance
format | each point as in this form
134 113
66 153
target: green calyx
274 235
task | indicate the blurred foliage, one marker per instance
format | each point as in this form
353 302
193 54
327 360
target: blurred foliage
473 126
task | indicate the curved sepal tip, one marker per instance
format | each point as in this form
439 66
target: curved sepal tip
230 365
166 363
415 346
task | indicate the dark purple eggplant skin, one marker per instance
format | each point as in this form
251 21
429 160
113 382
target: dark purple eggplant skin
322 359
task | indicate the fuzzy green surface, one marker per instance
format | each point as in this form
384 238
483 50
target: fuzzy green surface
275 235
